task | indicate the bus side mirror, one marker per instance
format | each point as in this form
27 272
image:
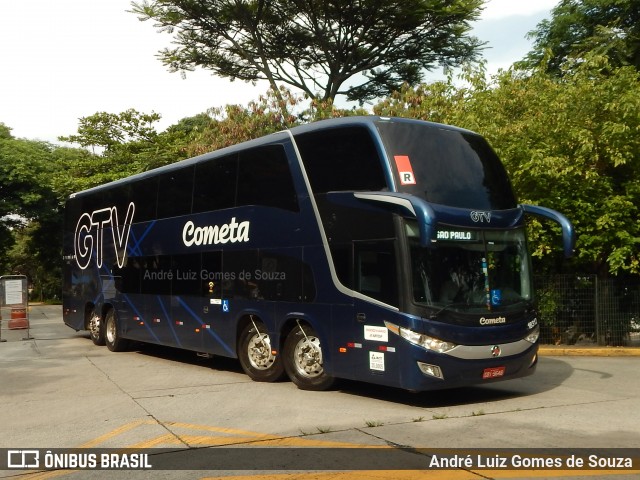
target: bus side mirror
409 205
568 232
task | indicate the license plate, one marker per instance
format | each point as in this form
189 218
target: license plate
493 372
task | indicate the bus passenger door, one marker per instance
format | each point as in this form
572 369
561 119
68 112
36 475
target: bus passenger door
375 275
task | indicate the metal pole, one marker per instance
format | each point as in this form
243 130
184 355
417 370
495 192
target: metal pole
1 339
26 312
597 312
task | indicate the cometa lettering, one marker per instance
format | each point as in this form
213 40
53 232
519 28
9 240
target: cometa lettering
492 321
232 232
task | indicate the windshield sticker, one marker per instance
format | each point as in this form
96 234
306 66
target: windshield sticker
496 297
405 170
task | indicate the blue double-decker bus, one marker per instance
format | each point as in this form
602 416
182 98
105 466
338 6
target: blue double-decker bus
384 250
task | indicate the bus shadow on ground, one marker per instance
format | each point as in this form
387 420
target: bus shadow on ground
550 373
189 357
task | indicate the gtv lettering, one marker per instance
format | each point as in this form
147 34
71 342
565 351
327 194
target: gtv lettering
90 235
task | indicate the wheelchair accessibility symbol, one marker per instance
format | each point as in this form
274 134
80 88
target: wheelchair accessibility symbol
225 306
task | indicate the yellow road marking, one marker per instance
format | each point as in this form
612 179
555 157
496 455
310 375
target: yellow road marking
107 436
246 437
421 474
208 428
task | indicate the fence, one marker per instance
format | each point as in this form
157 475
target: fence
588 310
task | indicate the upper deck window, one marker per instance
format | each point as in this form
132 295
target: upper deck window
446 166
258 176
341 159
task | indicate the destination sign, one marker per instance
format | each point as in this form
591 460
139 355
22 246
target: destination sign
457 235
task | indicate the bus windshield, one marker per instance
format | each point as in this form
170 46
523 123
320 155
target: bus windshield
446 166
469 270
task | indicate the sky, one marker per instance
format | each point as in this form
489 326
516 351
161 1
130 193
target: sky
66 59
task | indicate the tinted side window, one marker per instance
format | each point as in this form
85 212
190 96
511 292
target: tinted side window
175 189
341 159
215 184
264 178
144 194
375 271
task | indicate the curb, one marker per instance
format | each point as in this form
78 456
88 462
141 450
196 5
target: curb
553 351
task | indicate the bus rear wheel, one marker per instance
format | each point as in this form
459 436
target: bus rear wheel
96 328
114 341
303 360
256 354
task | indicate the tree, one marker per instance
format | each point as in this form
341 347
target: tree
605 27
108 130
5 132
127 143
317 46
29 208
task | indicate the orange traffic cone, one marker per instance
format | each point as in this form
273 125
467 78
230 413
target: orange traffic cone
18 318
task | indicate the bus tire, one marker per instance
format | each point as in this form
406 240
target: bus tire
96 328
303 360
114 341
256 354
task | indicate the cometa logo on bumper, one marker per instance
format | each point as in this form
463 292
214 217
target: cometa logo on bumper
232 232
493 321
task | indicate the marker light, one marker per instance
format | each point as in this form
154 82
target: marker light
424 341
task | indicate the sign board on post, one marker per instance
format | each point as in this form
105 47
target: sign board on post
15 295
13 292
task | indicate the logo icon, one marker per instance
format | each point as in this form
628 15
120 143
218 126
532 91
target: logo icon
23 459
480 217
495 351
90 232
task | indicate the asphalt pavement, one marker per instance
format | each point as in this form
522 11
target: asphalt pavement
60 391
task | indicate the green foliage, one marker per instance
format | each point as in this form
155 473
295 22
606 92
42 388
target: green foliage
5 132
24 171
581 27
107 131
30 232
313 46
127 143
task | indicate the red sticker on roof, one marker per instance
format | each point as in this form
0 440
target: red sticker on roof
405 170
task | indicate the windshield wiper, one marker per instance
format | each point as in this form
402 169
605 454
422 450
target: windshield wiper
435 314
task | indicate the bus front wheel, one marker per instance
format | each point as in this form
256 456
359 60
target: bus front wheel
257 356
114 341
303 359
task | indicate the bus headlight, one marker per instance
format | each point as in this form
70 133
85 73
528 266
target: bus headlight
533 335
424 341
